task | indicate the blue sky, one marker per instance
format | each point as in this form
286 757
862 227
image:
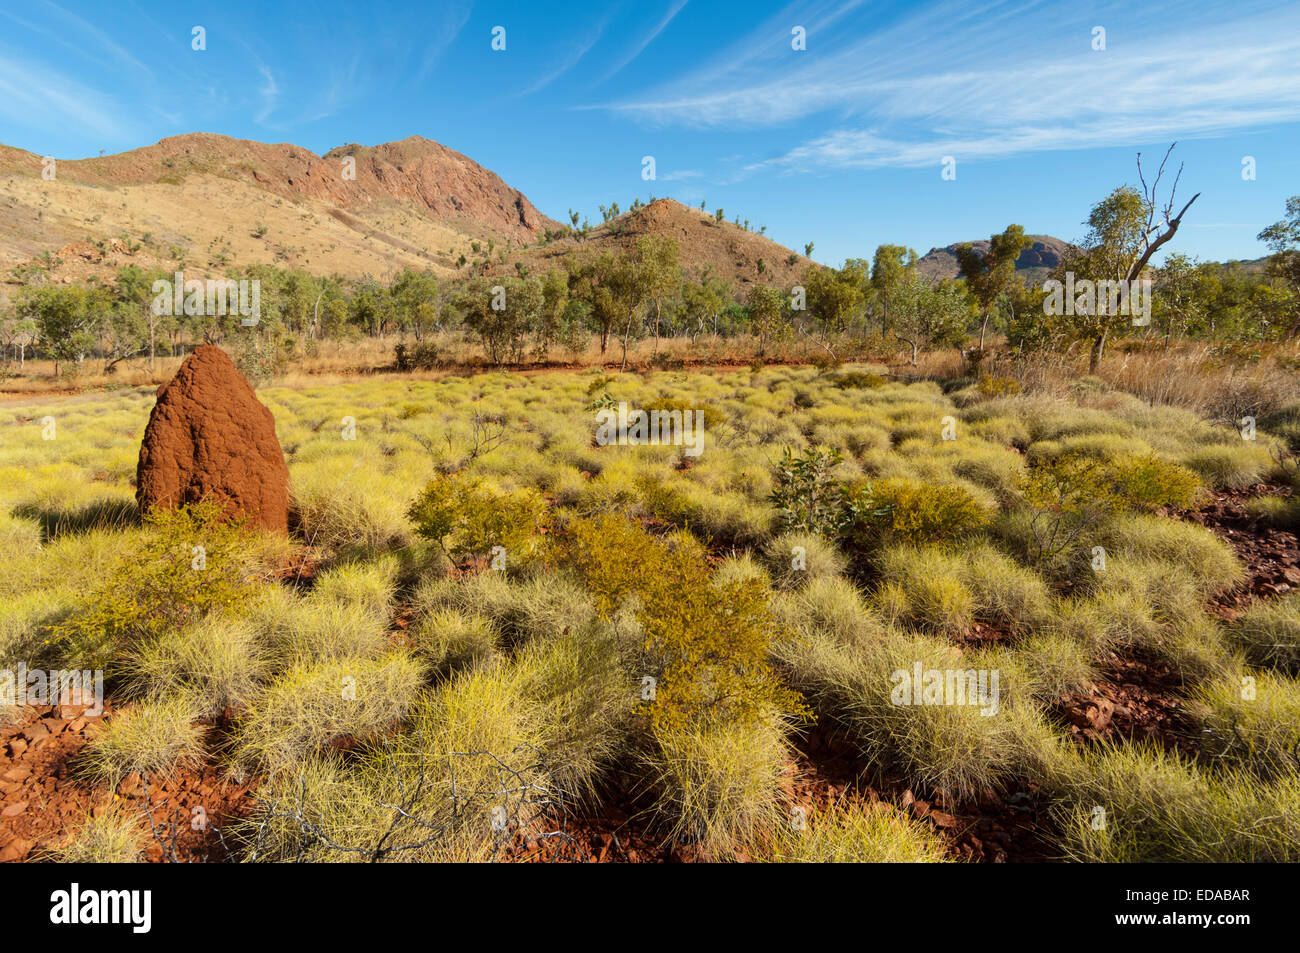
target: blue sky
840 143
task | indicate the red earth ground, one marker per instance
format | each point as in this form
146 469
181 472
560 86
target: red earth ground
43 796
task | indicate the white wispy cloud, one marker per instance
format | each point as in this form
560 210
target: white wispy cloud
71 22
29 90
453 20
270 93
649 38
995 80
574 56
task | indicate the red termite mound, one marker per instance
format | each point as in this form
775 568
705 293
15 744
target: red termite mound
209 437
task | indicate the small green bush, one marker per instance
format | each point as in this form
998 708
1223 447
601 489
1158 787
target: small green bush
806 496
466 517
166 584
990 385
1148 482
859 380
910 511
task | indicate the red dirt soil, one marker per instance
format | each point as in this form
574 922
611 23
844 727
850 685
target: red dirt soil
1271 556
44 798
1138 698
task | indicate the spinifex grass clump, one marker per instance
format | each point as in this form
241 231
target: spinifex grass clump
1138 803
156 736
114 837
868 834
1269 633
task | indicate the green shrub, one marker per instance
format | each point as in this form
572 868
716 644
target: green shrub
807 498
421 356
706 416
910 511
1068 496
164 585
466 517
859 380
710 641
1148 483
1071 492
990 385
612 554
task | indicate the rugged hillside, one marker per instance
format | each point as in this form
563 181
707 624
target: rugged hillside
721 249
1033 264
207 200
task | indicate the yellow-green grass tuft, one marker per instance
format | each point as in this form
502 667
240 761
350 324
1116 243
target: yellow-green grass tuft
150 737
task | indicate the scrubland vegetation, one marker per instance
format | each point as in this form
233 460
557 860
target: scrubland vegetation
484 622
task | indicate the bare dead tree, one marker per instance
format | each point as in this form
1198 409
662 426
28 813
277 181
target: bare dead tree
489 433
1170 224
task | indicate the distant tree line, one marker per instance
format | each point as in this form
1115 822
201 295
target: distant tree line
645 293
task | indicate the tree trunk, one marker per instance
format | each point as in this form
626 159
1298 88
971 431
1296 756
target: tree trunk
627 333
983 327
1098 350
